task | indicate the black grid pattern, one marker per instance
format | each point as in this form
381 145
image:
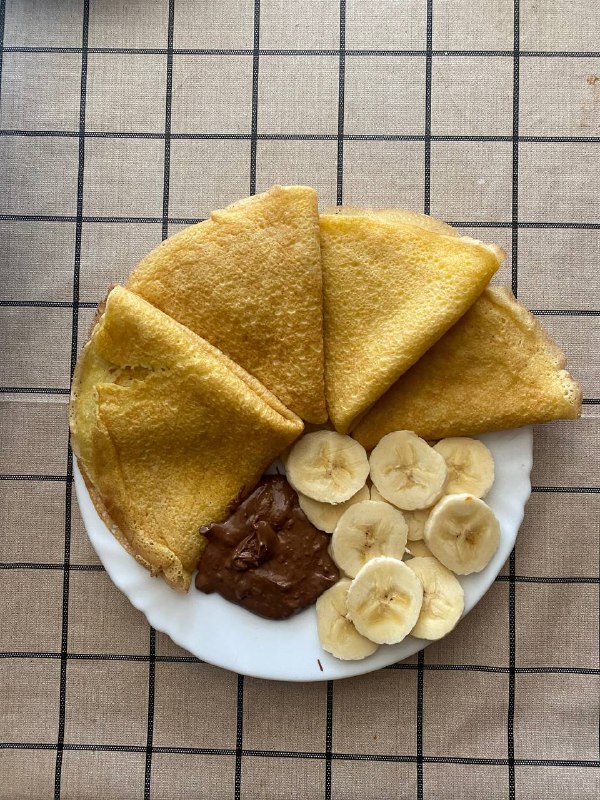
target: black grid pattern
327 750
74 334
199 51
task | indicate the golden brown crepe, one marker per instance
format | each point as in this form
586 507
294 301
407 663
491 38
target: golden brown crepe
392 289
495 369
168 432
249 281
402 215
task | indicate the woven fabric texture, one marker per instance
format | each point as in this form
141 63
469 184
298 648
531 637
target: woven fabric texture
122 121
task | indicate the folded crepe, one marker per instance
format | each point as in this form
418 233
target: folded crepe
495 369
168 432
249 281
392 288
402 215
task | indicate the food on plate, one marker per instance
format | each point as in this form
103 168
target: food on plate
337 634
443 598
391 290
407 471
459 533
199 373
414 519
470 465
463 533
376 494
396 215
248 280
495 369
160 424
367 530
267 556
327 466
384 600
416 549
416 523
325 516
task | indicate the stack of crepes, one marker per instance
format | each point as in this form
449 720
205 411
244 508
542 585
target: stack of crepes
236 330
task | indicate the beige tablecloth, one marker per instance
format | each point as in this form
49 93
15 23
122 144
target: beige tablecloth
121 122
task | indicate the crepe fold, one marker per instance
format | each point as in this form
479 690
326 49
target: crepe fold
249 281
392 288
168 432
495 369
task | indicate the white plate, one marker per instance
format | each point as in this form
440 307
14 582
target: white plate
231 637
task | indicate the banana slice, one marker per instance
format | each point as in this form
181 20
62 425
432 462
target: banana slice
414 519
470 465
367 530
376 495
384 600
327 466
336 633
443 599
407 471
416 523
463 533
416 549
326 516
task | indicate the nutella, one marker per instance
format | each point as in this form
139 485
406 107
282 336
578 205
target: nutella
267 556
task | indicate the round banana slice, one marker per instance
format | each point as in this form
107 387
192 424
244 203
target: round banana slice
325 516
367 530
416 523
384 600
414 519
336 633
443 599
327 466
376 495
407 471
463 533
470 465
416 549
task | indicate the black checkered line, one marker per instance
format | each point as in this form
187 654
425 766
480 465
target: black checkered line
74 330
328 754
354 52
165 233
515 286
307 754
69 479
426 210
541 312
563 579
339 201
538 225
400 665
587 401
299 137
58 218
2 18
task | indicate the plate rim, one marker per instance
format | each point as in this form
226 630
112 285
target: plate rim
522 493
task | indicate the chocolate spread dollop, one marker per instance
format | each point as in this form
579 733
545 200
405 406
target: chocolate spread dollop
267 556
